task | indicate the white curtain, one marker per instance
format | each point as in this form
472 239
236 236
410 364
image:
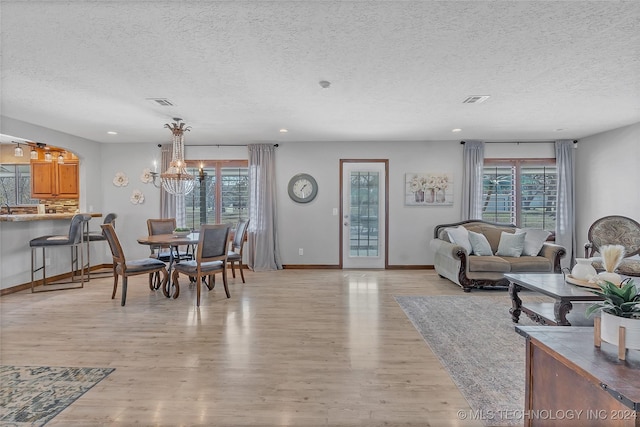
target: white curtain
472 172
565 205
262 238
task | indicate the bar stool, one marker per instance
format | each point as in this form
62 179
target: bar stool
98 236
74 240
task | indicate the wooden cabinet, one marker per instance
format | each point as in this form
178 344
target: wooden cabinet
50 180
570 382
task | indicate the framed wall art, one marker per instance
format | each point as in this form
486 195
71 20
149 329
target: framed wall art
428 189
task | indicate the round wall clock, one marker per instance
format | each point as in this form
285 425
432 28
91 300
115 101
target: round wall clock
303 188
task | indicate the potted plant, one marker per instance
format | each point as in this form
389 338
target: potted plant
620 307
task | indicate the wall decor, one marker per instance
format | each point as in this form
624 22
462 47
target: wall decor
146 176
120 180
428 189
137 198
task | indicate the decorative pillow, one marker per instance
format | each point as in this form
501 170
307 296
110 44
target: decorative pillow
511 244
460 236
479 244
533 240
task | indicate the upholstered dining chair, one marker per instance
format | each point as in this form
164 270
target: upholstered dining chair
124 268
211 258
235 253
163 253
615 230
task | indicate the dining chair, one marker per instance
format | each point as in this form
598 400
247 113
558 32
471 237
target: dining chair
237 245
162 252
211 258
124 268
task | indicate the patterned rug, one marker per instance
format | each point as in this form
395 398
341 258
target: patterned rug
475 340
33 395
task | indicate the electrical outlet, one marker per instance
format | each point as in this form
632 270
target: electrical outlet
300 251
335 211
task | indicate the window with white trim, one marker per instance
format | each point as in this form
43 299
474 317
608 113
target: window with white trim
221 193
521 192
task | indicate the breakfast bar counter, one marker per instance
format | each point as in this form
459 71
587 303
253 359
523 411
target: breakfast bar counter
42 217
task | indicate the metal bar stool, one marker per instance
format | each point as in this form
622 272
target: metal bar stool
74 240
98 236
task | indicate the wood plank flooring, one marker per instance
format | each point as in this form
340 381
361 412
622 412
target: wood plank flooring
289 348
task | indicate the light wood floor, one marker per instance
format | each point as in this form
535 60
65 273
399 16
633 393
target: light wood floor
290 348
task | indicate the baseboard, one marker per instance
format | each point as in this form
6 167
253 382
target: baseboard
310 267
25 286
337 267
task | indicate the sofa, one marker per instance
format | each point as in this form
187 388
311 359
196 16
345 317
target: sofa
477 254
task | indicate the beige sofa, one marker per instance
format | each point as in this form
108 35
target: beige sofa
456 259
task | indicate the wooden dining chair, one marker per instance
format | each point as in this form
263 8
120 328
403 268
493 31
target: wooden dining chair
237 245
162 252
211 258
124 268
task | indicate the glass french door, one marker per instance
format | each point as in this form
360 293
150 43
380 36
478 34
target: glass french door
363 215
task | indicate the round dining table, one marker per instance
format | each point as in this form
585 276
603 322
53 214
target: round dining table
171 241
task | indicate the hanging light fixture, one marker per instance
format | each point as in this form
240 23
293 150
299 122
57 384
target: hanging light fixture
47 155
18 152
176 180
34 154
61 158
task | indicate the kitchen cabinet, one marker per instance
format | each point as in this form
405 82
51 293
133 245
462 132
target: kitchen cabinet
51 180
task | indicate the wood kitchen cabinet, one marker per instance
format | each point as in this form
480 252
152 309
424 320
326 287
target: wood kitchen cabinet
50 180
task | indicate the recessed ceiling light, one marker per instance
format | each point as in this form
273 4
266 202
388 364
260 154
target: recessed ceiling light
456 130
112 132
283 130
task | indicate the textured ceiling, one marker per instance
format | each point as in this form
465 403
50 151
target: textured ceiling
238 71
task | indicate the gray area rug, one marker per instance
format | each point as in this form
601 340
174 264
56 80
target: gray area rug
475 340
33 395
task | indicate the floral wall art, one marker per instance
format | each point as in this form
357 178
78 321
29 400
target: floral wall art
428 189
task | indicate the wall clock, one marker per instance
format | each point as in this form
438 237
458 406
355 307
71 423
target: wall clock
303 188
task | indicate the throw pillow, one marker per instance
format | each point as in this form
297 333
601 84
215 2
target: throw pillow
460 237
511 244
479 244
533 240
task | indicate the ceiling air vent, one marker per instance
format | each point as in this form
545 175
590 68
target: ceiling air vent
163 102
475 99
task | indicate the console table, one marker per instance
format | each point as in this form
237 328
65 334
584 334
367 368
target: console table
570 382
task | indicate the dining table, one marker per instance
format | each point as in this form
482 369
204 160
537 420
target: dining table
173 242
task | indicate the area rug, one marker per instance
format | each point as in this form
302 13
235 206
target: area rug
474 338
33 395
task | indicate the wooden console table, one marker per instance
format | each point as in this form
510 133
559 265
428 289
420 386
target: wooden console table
570 382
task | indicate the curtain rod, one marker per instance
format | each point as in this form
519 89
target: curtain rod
220 145
575 141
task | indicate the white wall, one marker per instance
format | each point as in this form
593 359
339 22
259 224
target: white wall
607 178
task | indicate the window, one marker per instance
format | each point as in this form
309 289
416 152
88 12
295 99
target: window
15 184
221 193
521 192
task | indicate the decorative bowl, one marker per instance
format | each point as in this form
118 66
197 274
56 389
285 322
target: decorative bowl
181 233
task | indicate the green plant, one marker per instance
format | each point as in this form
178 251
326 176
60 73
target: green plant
182 229
623 301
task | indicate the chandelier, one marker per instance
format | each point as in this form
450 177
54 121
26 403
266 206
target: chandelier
176 180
